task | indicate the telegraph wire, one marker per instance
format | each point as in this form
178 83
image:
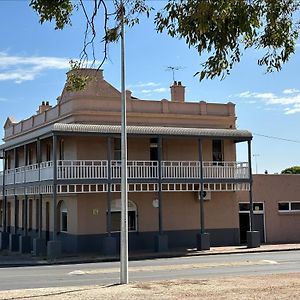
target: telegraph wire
277 138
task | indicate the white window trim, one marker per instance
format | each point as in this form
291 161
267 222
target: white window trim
290 210
130 208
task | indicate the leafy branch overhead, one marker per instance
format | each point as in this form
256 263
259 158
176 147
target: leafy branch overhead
220 30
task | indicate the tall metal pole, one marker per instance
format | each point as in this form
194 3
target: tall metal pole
250 189
124 199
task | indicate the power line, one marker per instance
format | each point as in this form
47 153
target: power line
277 138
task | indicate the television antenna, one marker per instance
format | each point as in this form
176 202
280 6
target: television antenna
173 69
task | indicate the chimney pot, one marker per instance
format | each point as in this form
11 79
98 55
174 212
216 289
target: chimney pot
179 82
47 103
43 102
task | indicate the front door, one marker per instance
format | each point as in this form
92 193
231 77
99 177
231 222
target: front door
258 220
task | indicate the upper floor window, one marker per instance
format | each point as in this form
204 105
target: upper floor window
61 149
153 148
30 156
117 149
48 152
217 150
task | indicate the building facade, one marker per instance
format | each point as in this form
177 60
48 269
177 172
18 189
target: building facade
276 207
62 171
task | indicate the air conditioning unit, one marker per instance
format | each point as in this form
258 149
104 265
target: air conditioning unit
206 195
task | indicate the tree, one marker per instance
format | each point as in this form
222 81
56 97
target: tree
291 170
223 29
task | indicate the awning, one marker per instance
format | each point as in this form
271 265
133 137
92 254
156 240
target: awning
82 129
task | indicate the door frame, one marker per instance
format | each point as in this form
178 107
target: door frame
256 212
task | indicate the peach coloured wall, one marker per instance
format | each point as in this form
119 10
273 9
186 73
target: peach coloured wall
222 210
91 213
91 148
271 189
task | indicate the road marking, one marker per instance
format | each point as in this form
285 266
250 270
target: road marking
271 262
174 267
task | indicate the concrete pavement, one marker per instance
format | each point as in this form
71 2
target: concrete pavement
12 259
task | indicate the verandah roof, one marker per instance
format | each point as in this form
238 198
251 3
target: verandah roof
62 128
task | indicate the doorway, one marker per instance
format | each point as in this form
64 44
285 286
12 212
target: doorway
258 220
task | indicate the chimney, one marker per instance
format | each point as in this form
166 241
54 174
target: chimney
177 92
43 107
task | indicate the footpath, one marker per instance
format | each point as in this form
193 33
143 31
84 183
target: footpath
13 259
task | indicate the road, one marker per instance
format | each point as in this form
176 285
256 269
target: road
147 270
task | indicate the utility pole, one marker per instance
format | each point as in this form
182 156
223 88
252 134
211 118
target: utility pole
124 196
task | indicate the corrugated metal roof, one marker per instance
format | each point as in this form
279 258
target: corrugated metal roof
237 135
155 130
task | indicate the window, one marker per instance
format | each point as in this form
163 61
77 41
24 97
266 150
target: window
63 217
116 216
30 156
289 206
257 207
30 215
48 152
217 149
61 149
154 149
117 149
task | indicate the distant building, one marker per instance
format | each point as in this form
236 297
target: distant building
61 182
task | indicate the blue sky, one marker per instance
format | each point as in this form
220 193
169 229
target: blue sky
34 59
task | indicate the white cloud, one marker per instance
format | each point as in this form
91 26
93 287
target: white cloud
144 84
24 68
289 98
3 99
150 91
290 91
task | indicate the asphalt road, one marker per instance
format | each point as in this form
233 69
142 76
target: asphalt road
146 270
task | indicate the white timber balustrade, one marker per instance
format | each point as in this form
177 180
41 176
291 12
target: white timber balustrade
225 170
20 174
32 173
180 169
46 170
9 176
137 169
82 169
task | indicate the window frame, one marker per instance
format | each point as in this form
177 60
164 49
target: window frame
132 207
289 210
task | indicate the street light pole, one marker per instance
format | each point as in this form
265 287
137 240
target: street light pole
124 196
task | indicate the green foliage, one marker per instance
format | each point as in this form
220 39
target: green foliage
221 29
225 28
76 82
59 10
291 170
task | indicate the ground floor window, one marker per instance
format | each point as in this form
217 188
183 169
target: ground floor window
63 213
116 216
289 206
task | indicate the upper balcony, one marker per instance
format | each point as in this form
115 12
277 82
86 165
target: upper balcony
143 171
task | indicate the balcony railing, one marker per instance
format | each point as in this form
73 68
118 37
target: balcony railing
146 170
